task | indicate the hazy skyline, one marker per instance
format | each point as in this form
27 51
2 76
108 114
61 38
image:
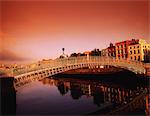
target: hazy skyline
40 29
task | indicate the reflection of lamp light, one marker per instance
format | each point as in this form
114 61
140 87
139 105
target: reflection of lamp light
101 66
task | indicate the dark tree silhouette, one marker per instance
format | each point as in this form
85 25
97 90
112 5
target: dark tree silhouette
95 52
74 55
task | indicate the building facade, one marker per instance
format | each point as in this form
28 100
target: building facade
139 51
111 50
104 52
122 48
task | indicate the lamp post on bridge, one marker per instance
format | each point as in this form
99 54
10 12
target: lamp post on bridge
64 56
63 49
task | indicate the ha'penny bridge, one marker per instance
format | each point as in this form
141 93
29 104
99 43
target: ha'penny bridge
23 76
27 74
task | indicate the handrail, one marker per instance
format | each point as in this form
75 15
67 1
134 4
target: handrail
61 62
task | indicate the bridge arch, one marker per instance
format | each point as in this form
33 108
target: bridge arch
66 64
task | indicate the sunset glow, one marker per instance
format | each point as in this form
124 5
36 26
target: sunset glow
33 30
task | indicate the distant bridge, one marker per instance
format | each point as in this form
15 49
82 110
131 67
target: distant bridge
22 75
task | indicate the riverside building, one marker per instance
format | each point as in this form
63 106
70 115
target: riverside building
139 51
122 48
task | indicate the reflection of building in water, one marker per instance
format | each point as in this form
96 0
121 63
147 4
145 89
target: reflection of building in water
86 89
101 92
49 81
62 87
98 96
147 104
76 91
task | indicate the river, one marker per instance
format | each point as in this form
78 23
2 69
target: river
77 95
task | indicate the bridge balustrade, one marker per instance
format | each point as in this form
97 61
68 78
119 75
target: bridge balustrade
100 60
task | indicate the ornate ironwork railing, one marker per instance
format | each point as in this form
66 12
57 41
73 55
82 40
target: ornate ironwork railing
62 62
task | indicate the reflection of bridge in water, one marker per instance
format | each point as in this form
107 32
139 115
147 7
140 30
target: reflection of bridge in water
24 75
116 98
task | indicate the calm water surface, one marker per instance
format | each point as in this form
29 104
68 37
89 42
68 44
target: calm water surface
61 95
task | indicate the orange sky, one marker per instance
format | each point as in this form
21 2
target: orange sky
39 29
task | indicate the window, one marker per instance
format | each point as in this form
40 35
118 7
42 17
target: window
121 46
134 57
134 46
130 52
130 47
121 51
138 58
138 51
112 54
137 46
134 52
118 52
131 57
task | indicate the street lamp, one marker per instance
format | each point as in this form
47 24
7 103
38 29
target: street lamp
63 49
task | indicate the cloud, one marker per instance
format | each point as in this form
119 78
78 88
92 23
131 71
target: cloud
7 55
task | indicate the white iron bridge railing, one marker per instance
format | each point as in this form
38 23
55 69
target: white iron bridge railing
62 62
